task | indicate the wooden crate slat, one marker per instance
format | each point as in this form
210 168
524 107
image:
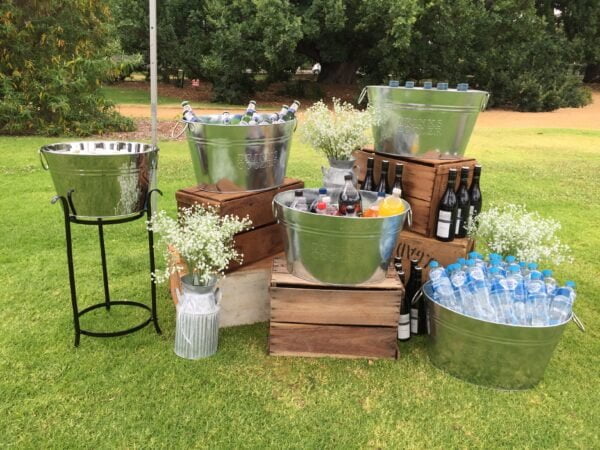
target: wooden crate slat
258 244
335 307
289 339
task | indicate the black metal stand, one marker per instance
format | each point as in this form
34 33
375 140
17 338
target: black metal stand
70 216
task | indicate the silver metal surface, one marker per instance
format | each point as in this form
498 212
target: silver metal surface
233 158
337 250
489 354
108 179
417 121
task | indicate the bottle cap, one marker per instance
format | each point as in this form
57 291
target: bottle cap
494 269
532 266
322 191
409 84
547 273
514 269
470 262
452 267
321 205
380 194
397 192
536 276
570 284
462 261
427 85
473 255
347 177
298 193
433 264
510 259
394 83
522 264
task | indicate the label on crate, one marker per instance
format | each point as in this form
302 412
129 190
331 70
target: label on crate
404 327
414 320
444 223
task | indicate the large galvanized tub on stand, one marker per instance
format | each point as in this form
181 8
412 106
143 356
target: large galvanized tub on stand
486 353
417 121
234 158
337 250
102 179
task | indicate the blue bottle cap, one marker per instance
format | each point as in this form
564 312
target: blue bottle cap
547 273
322 191
536 276
510 259
394 83
522 264
473 255
494 270
462 261
409 84
427 85
470 262
514 269
433 264
570 283
452 267
532 266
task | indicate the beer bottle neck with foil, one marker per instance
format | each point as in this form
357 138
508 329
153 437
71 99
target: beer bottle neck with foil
250 111
292 110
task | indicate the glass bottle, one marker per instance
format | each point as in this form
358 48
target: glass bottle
475 194
383 178
462 204
349 196
446 217
369 183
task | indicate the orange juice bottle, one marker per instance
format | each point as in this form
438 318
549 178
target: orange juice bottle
373 210
391 205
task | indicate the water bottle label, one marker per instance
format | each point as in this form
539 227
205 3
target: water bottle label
444 223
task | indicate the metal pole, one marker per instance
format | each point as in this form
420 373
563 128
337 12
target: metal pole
153 71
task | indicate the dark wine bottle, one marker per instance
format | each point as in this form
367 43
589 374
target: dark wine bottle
422 327
417 311
369 182
409 287
446 215
404 323
398 170
475 194
384 186
462 204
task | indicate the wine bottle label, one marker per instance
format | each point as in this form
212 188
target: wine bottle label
471 211
444 224
414 320
404 332
458 221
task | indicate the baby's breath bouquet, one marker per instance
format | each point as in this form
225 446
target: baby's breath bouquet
335 133
511 230
203 239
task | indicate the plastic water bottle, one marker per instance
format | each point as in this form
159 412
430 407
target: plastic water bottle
537 300
462 262
549 281
299 201
517 289
479 262
500 296
442 288
322 193
533 268
510 260
523 268
479 290
562 303
458 279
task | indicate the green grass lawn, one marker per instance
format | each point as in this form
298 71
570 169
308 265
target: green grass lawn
133 392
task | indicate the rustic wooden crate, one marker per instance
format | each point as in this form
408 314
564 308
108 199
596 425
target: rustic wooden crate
424 182
266 237
310 319
414 246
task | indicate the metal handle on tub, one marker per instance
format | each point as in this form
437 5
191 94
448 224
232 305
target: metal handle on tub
362 95
485 101
43 160
578 322
182 130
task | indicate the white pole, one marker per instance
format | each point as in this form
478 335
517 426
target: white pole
153 72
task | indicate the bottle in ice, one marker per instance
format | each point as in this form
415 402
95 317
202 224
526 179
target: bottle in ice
478 288
249 114
462 205
475 199
299 201
369 183
500 296
322 194
349 197
188 112
537 300
516 286
446 214
373 210
292 110
442 288
561 305
391 205
549 281
383 185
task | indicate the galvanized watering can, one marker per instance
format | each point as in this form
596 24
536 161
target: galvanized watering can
102 179
490 354
337 250
419 122
234 158
197 325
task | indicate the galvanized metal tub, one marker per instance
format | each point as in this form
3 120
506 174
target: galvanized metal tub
489 354
104 179
337 250
418 121
234 158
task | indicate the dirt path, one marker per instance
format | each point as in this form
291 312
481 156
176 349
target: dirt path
586 118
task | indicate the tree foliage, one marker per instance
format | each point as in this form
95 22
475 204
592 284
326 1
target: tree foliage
53 56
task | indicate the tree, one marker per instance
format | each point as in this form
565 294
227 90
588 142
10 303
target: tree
53 57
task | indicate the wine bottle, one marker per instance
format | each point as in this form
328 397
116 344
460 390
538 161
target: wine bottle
446 216
384 186
475 194
462 204
412 288
404 323
369 183
422 327
398 170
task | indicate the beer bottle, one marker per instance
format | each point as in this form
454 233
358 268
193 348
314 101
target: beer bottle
250 111
291 112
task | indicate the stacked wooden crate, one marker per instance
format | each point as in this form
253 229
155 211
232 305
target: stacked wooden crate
424 182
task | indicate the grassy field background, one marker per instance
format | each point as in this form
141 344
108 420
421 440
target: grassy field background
133 392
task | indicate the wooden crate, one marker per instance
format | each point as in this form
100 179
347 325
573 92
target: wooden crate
266 237
310 319
424 182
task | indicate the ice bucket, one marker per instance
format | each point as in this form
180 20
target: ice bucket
417 121
337 250
102 179
233 158
486 353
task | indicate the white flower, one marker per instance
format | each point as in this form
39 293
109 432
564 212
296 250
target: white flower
337 134
511 230
203 239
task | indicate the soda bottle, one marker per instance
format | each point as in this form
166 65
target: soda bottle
321 208
322 193
331 209
392 205
350 212
298 193
349 197
373 210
